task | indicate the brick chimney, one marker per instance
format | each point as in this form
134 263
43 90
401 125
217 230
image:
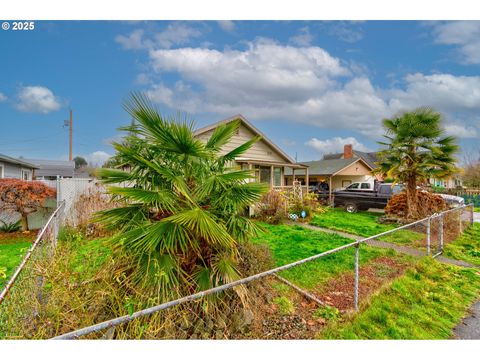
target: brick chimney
347 151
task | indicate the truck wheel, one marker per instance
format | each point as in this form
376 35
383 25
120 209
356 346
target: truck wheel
351 208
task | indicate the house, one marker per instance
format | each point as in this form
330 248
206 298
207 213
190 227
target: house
16 168
52 169
269 162
453 182
338 170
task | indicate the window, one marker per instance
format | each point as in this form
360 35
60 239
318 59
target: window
277 176
2 175
353 186
345 183
26 175
366 186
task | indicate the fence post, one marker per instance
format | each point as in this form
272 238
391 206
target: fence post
460 225
357 265
428 235
471 214
440 232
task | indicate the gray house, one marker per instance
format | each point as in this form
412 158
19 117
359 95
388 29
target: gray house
16 168
53 169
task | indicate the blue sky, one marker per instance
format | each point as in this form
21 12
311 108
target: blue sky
310 86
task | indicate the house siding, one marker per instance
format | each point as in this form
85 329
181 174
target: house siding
12 171
259 151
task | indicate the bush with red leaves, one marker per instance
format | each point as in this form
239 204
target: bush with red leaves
428 204
24 197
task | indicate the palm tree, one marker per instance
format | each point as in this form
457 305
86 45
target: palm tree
182 220
417 150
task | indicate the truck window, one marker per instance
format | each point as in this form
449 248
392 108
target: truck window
353 186
366 186
384 190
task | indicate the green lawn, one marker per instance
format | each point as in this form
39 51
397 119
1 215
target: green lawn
11 254
365 224
466 247
362 223
291 243
476 209
425 303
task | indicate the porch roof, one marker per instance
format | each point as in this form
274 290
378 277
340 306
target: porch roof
326 167
270 163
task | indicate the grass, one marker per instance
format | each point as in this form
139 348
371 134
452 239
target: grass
12 250
362 223
291 243
466 247
365 224
476 209
425 303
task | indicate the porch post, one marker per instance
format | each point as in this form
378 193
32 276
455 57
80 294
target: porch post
293 175
330 200
271 177
307 181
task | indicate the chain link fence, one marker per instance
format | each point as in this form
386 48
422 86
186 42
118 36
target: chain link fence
292 301
22 298
287 304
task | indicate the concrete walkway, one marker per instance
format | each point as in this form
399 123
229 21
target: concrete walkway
386 245
469 327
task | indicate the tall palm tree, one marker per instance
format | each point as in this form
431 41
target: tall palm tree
417 149
182 219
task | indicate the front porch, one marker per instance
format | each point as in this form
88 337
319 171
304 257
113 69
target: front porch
273 173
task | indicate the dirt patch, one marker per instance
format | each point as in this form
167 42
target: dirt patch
17 236
268 322
339 291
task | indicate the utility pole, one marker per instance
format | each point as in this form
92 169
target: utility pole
70 130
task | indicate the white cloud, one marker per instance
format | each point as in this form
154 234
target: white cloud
226 25
303 38
37 99
305 84
97 158
3 97
464 34
134 41
334 145
176 33
461 131
346 31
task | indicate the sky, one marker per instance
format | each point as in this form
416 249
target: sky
310 86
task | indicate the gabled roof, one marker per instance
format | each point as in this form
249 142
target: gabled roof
328 167
251 127
369 157
11 160
53 167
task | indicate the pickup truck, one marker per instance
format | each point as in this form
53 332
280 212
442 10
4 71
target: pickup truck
354 200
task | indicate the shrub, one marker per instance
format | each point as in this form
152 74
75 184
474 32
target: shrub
272 207
10 227
24 197
430 203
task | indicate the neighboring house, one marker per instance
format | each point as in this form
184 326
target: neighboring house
453 182
52 169
16 168
339 170
268 161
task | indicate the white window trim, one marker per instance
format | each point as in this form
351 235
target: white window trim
2 171
28 171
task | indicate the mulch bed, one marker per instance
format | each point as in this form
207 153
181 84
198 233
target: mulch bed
17 236
339 291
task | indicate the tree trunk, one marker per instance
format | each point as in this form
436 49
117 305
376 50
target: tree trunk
24 222
412 198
